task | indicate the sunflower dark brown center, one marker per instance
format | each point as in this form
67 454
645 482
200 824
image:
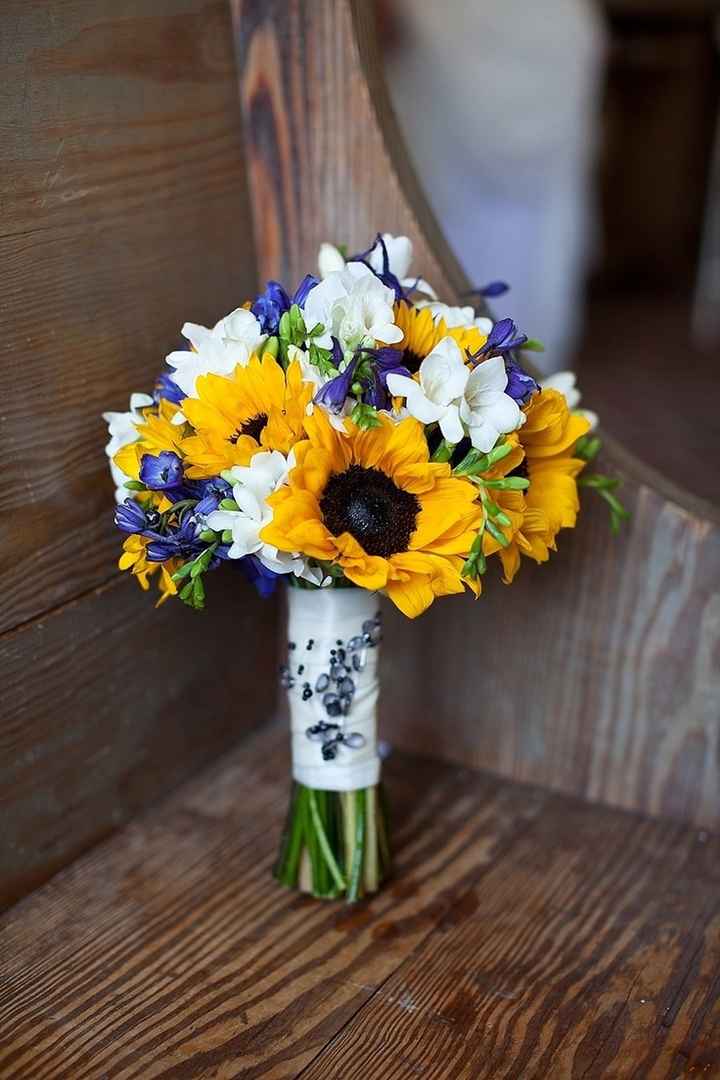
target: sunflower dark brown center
367 504
521 470
412 361
252 427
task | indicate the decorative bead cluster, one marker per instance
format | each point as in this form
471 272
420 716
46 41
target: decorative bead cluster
336 685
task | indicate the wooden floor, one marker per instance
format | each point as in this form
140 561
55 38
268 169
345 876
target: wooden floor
525 935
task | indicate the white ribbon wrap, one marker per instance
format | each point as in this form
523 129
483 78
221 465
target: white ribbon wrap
317 620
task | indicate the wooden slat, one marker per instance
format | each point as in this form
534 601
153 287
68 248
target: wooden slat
524 934
124 214
108 703
597 674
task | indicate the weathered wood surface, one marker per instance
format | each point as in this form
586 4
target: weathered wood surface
524 934
598 674
124 213
108 703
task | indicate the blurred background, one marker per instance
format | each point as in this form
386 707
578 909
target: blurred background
572 148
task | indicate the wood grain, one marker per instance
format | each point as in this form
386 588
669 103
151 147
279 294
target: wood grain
597 675
108 703
524 934
124 214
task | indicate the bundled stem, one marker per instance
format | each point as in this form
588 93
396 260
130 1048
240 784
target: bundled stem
335 844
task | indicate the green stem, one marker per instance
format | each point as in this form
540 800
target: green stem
358 851
371 843
323 840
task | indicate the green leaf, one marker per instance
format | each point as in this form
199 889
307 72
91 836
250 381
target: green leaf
182 571
209 536
135 485
227 536
228 504
533 345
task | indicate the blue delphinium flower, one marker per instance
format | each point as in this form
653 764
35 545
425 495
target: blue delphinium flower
503 337
167 389
258 575
384 273
270 306
520 386
386 362
162 471
369 367
130 517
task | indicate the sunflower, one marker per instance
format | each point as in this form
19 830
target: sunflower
421 333
156 432
134 558
374 504
551 502
258 406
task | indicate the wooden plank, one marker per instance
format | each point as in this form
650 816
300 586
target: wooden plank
184 958
589 949
597 674
523 934
124 214
108 703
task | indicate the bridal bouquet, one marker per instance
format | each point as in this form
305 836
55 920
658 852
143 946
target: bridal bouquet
355 438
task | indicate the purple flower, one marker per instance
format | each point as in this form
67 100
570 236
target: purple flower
162 471
180 541
335 392
130 517
385 273
270 306
503 337
387 362
520 386
166 388
368 367
258 575
492 289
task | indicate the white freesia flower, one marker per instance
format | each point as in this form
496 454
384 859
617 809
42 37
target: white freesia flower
252 484
486 410
355 307
400 253
565 382
217 351
443 377
330 260
122 431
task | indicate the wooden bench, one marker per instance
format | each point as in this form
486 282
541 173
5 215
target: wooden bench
554 909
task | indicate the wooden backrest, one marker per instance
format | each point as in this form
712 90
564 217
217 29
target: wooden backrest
598 674
124 213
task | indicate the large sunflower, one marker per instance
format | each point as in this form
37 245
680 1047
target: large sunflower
421 333
373 503
258 406
551 502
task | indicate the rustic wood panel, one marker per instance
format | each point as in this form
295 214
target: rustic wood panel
524 934
108 703
598 674
124 214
